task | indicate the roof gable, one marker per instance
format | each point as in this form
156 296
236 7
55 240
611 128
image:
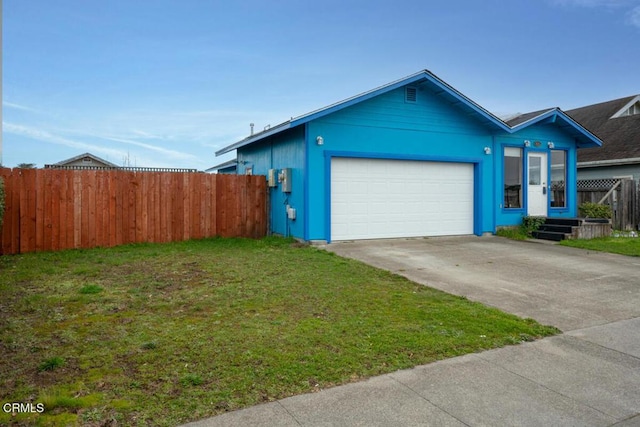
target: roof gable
90 156
439 88
630 109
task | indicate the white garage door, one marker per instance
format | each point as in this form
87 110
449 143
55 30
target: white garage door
377 198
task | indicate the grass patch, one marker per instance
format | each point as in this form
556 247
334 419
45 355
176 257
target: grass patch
187 330
51 364
90 289
617 245
514 233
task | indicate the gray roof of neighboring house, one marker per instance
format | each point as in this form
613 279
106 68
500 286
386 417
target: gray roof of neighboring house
228 164
519 119
81 156
620 135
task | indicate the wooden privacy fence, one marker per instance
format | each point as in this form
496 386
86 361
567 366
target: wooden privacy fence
50 209
621 194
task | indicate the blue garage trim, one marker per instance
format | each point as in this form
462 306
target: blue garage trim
477 178
305 183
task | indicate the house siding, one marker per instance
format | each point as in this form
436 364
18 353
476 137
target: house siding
603 172
544 134
284 150
440 126
386 127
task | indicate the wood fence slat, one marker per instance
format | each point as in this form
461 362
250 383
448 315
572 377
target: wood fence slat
10 223
52 232
144 206
186 207
131 218
27 211
39 196
63 225
99 222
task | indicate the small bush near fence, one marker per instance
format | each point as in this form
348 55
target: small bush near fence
595 210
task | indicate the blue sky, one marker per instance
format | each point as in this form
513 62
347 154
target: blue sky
166 83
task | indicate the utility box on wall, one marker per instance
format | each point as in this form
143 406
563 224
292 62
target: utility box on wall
285 179
272 179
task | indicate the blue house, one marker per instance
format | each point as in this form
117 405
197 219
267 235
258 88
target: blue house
412 158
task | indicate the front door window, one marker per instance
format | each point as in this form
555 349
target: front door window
537 180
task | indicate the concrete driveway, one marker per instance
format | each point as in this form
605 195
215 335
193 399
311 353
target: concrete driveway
564 287
588 376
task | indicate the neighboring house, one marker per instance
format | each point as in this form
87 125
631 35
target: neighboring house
90 161
86 160
617 124
412 158
229 167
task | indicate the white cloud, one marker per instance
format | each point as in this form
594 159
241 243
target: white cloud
18 107
634 16
45 136
172 153
592 3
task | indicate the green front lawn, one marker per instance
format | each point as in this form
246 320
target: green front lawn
617 245
165 334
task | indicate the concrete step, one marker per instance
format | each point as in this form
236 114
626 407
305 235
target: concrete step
556 228
574 222
549 235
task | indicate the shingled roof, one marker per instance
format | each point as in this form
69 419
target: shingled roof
521 118
620 135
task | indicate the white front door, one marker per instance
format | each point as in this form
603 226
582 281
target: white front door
537 180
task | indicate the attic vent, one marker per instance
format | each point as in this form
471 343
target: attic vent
410 94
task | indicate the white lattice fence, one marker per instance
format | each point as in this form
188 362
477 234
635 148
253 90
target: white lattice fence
623 199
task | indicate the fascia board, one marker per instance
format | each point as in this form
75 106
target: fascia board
254 138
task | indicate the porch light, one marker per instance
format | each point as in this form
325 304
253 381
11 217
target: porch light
551 145
487 150
527 143
319 140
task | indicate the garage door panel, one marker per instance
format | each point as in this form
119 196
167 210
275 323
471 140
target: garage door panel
377 198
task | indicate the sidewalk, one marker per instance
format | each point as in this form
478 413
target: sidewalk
587 377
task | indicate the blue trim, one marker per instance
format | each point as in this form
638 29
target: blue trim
494 177
477 199
420 76
327 195
504 209
583 137
305 182
356 99
477 177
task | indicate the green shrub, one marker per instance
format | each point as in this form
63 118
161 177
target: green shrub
1 201
531 224
594 210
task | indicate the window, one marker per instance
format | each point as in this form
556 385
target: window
558 178
512 177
